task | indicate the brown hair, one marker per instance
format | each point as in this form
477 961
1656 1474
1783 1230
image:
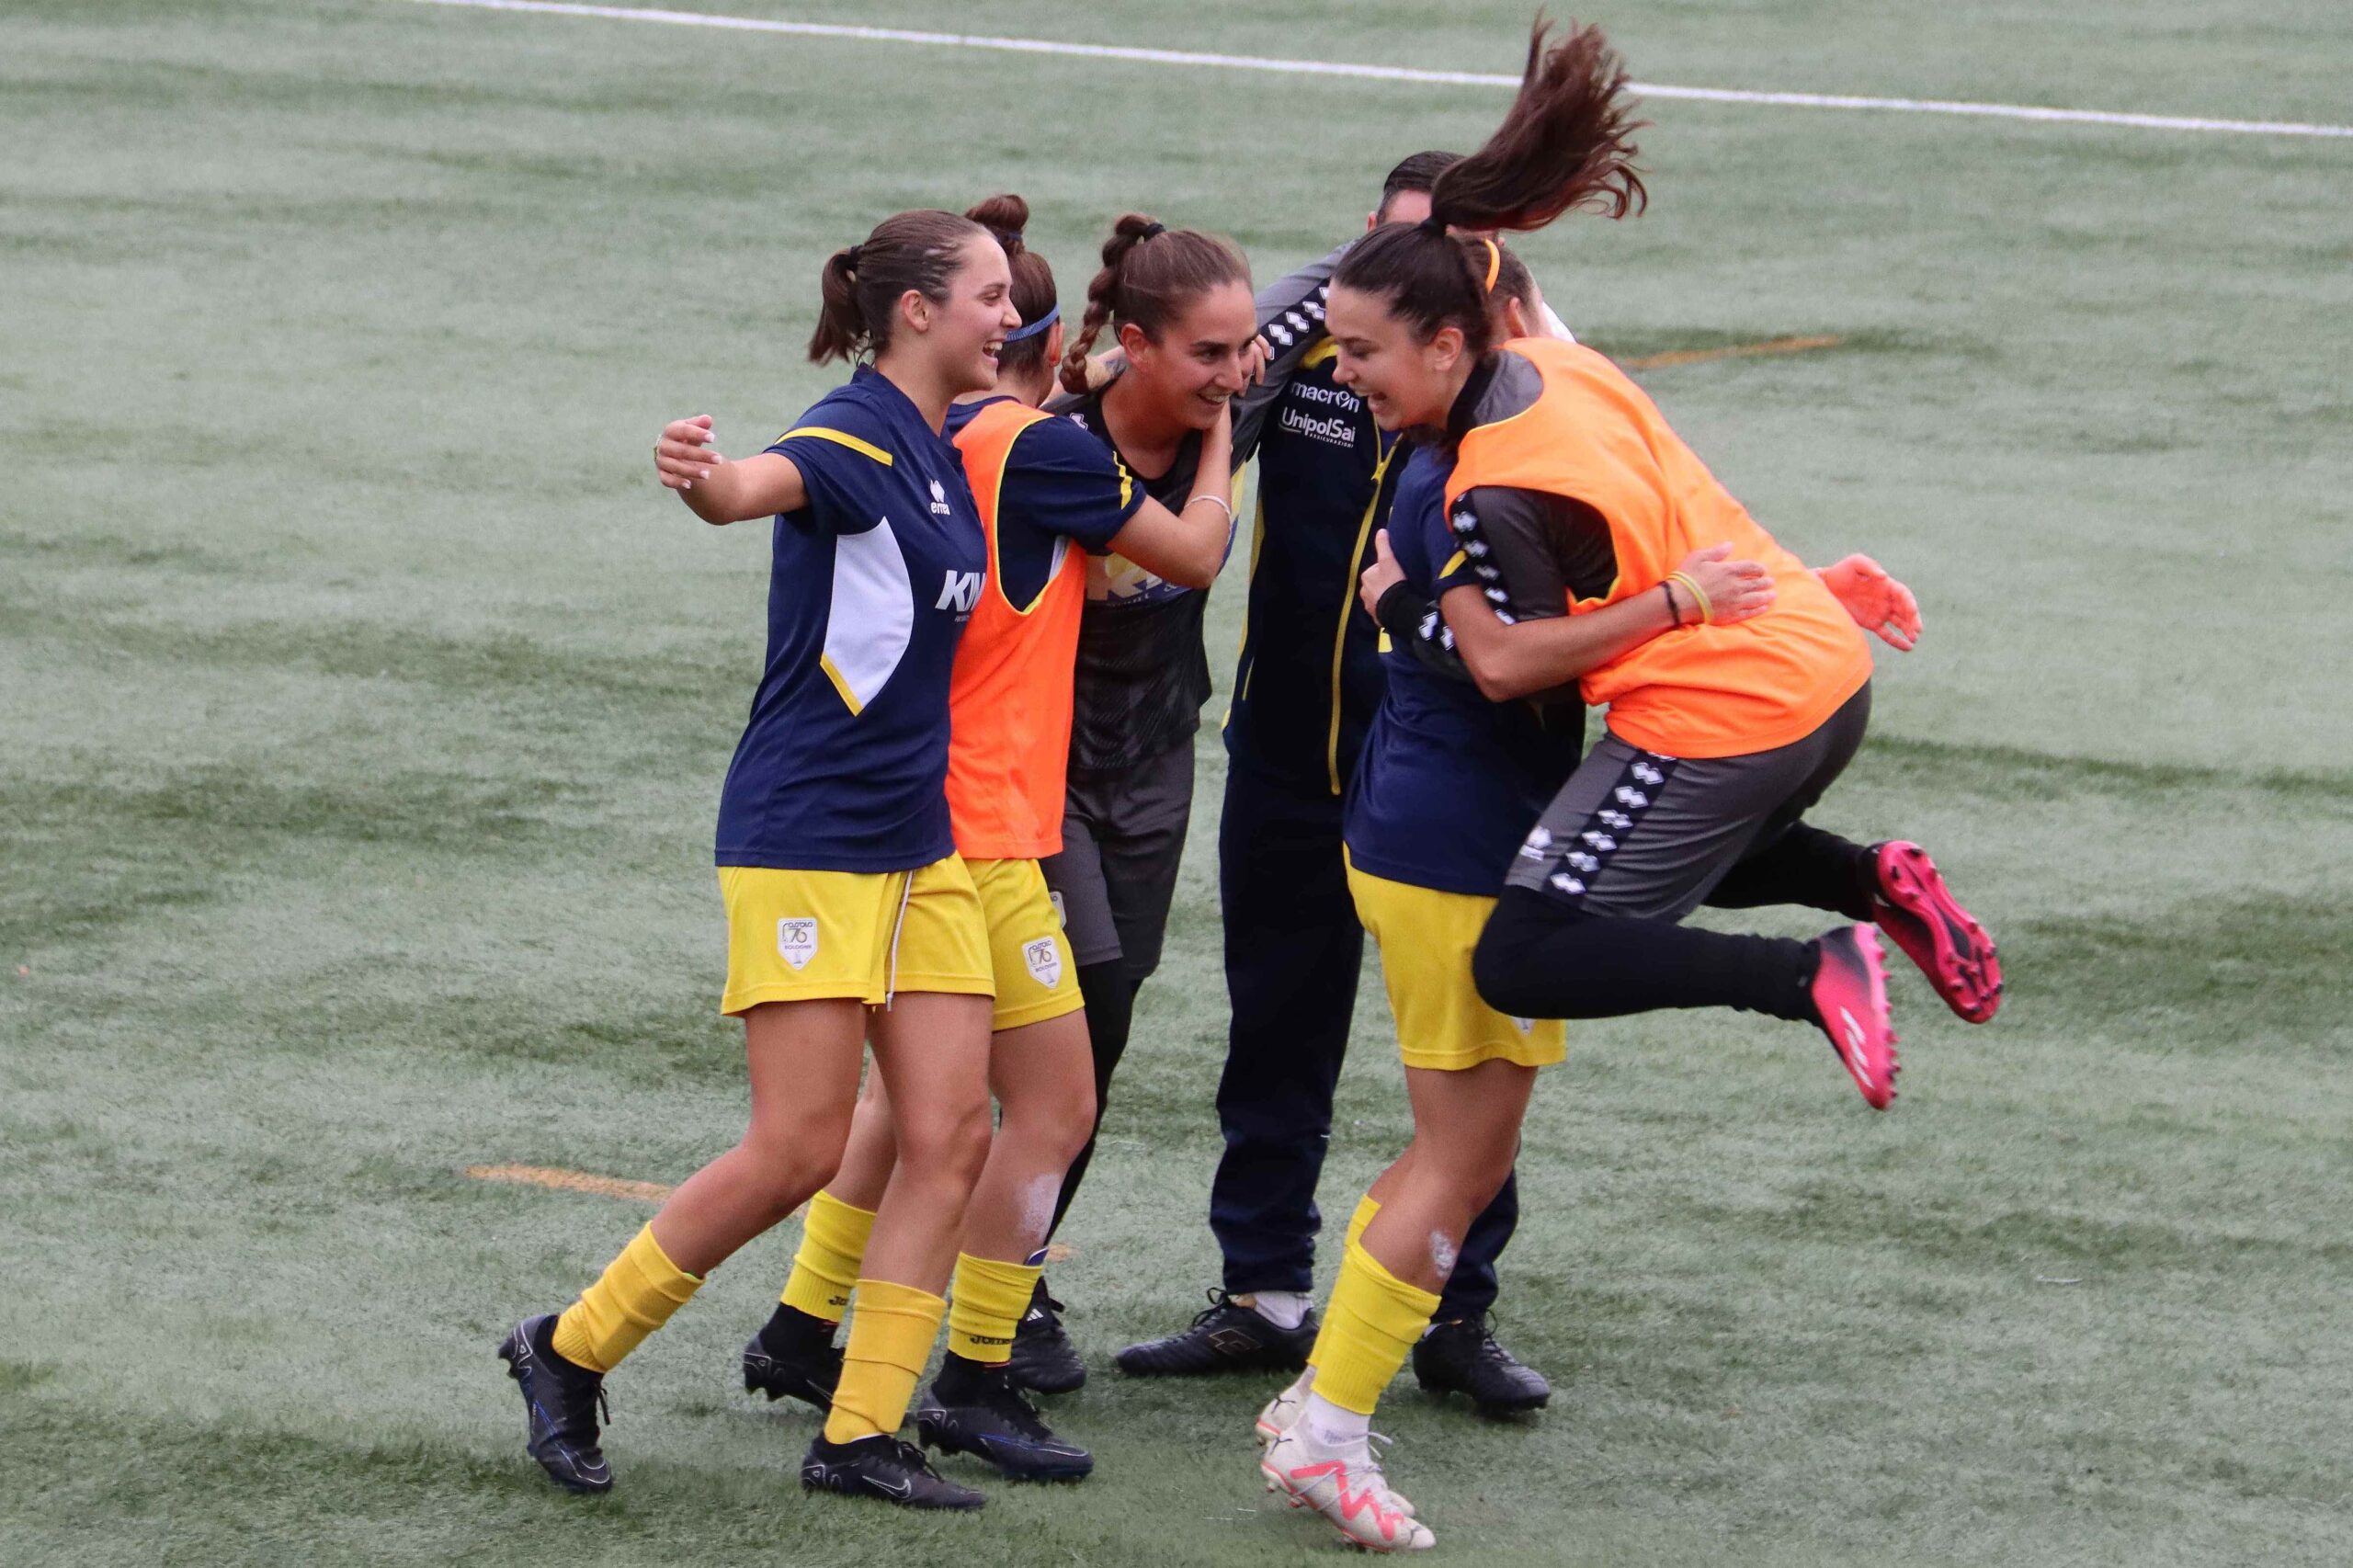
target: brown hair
1566 142
1033 281
1150 272
863 282
1417 172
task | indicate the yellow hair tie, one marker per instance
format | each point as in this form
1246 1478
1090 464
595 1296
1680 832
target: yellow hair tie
1698 596
1494 263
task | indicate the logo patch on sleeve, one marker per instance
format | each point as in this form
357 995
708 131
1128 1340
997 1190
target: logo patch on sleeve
1044 958
796 939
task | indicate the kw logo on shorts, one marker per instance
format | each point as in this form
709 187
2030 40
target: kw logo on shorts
1044 958
796 939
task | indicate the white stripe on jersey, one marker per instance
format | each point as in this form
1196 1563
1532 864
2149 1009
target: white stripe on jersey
874 613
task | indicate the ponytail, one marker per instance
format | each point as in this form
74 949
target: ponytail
1033 283
861 285
1150 273
1566 142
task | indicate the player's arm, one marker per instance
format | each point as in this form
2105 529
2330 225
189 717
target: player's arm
1291 321
718 491
1188 548
1507 593
1408 616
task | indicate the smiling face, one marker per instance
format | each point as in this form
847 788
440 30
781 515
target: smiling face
962 333
1403 380
1196 365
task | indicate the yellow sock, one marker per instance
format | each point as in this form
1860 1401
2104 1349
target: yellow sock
985 1303
833 1244
1369 1330
1367 1207
636 1295
890 1339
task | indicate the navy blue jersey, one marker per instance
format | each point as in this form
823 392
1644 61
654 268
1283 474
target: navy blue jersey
1062 487
1449 782
1308 678
843 764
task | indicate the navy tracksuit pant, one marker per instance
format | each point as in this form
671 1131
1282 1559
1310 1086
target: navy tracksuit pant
1294 951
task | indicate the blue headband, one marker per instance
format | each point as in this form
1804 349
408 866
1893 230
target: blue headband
1035 327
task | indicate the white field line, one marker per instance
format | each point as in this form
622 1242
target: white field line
1387 73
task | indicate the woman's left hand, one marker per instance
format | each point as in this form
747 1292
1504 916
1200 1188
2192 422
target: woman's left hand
1879 604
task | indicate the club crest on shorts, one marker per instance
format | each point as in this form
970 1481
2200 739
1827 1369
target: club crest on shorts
1044 958
796 939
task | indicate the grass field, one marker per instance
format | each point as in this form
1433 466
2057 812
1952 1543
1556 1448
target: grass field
363 705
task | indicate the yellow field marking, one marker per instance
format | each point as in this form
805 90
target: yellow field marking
1738 351
570 1181
642 1191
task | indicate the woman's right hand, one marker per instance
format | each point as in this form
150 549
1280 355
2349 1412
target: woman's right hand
1737 590
685 454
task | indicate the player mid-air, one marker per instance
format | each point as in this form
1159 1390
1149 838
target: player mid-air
1722 730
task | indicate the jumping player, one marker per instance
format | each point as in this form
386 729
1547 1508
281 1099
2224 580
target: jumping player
850 913
1741 723
1049 496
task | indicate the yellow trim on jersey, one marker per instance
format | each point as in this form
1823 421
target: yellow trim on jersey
826 662
1324 351
1258 543
1348 608
1127 480
1454 563
840 438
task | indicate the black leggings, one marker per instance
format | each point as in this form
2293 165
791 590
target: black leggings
1110 996
1543 957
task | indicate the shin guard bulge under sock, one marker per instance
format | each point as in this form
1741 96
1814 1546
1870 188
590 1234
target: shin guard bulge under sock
1369 1330
833 1245
985 1303
890 1335
636 1295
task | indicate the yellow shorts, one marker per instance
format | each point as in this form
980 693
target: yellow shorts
1425 939
805 935
1035 977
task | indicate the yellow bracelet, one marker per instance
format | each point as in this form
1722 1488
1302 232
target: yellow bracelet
1698 596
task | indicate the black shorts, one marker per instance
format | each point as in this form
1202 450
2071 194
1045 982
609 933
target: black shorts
1636 833
1123 833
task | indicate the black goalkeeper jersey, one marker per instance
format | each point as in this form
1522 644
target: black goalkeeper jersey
1142 670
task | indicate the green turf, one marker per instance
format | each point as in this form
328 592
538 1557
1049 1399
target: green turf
363 704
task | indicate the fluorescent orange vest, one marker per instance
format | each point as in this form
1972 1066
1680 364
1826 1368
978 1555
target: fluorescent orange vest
1009 692
1593 436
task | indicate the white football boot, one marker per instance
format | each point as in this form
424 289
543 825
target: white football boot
1281 1414
1346 1487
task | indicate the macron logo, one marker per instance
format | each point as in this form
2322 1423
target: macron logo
959 591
